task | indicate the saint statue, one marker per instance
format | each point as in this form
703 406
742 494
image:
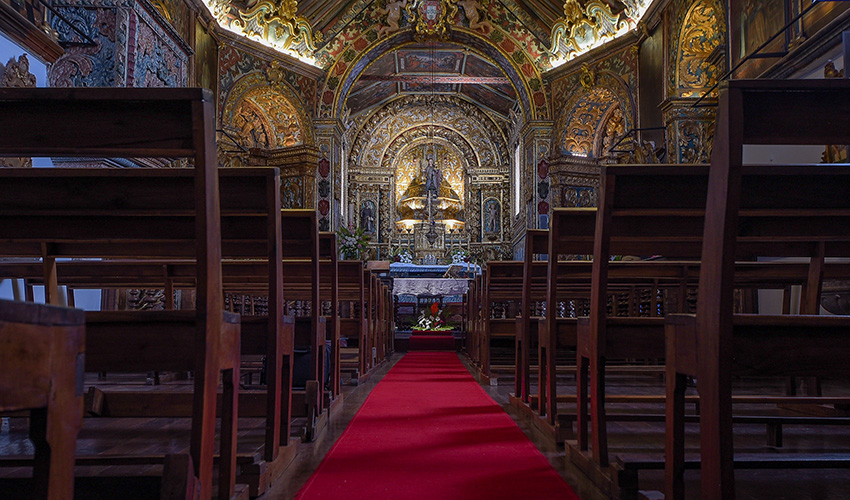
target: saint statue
433 176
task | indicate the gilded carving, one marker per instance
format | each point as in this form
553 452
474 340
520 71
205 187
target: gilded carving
275 24
264 116
585 27
416 110
698 39
470 10
431 17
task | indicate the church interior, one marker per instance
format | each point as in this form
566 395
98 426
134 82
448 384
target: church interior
424 249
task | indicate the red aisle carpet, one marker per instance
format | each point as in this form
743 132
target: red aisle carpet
431 341
429 431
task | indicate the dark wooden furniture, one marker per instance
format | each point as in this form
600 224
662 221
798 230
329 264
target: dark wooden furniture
802 211
41 370
53 213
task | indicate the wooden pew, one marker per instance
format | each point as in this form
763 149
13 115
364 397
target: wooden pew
41 357
301 244
536 243
793 206
352 292
42 214
669 225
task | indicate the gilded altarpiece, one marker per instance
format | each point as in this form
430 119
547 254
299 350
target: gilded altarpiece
695 59
595 108
388 159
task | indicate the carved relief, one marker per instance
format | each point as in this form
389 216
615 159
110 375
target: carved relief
411 111
263 116
699 37
392 10
273 23
470 10
585 27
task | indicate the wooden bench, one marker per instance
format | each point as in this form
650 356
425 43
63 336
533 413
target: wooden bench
41 369
125 213
251 230
628 224
792 206
352 293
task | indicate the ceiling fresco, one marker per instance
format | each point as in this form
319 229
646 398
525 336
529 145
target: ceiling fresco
440 68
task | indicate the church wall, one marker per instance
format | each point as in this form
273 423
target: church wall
267 104
134 47
594 101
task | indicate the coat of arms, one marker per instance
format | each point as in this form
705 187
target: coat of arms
431 17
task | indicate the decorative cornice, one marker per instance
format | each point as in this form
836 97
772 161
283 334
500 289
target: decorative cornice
609 49
584 28
271 23
264 52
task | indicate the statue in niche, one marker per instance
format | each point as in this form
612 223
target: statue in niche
367 216
252 131
491 220
613 130
393 12
470 9
433 176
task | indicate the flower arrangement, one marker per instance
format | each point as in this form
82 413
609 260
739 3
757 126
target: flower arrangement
352 242
398 254
433 321
459 255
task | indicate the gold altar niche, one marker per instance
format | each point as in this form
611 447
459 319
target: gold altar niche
430 221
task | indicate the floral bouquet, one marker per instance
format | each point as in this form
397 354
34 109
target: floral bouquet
352 242
433 321
459 255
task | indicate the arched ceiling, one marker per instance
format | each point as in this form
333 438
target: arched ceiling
324 15
433 68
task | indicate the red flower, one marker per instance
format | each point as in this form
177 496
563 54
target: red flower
435 308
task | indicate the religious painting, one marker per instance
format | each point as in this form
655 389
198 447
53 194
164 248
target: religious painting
368 215
752 23
479 67
485 96
421 61
491 215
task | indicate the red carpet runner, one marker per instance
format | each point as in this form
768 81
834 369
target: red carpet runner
431 341
429 431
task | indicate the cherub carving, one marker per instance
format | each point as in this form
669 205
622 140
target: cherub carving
393 12
470 8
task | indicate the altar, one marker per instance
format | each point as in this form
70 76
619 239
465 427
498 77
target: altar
416 288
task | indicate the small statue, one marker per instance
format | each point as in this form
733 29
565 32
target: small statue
470 8
433 177
393 12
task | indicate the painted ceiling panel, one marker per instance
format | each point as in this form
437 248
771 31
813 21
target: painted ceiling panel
426 62
476 66
371 95
485 96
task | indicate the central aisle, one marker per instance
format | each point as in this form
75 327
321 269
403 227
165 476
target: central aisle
429 431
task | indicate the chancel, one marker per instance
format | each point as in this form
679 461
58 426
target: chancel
424 249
